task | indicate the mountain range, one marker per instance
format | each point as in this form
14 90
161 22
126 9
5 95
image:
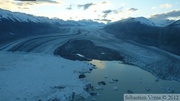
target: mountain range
14 25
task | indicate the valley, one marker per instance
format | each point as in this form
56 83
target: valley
46 59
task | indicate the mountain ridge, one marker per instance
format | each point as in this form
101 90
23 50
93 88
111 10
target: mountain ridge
166 38
141 20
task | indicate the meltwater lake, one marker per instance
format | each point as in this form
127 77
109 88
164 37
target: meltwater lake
124 79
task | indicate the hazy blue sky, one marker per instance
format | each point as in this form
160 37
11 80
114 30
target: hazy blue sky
102 10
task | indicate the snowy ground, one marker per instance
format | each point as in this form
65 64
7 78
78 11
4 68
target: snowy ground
37 77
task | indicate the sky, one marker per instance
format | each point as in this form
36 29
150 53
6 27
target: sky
98 10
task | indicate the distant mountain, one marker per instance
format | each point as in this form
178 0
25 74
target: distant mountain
141 20
14 25
145 32
22 17
162 23
175 24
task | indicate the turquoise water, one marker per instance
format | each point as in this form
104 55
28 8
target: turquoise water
131 78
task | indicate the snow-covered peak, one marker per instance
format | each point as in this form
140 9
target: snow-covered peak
161 22
142 20
177 23
21 17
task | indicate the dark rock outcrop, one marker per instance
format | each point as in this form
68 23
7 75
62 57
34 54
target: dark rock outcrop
86 50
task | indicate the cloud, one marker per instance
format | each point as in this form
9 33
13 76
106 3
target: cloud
86 6
118 12
105 3
165 6
24 0
106 12
163 18
162 6
94 6
171 14
25 4
12 5
41 1
133 9
69 8
38 1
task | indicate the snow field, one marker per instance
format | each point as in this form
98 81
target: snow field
33 77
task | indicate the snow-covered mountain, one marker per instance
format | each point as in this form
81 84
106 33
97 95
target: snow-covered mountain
146 32
176 24
141 20
21 17
27 18
162 23
14 25
148 21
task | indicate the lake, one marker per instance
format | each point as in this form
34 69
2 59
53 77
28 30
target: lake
126 79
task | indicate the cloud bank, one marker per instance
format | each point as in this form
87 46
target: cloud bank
25 4
164 19
171 14
42 1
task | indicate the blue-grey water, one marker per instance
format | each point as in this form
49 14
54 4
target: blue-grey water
132 79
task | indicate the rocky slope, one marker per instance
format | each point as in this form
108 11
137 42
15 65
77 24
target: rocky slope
166 38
